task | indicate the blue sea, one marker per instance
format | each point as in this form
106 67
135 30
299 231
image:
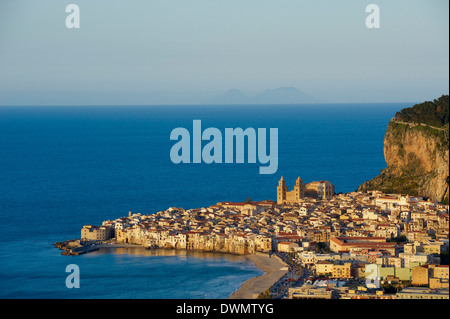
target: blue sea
64 167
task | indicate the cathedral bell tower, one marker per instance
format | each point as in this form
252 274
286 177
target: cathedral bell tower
299 189
281 191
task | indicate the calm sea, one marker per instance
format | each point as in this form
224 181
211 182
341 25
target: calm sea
63 167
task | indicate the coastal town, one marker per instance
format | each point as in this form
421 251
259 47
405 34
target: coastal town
358 245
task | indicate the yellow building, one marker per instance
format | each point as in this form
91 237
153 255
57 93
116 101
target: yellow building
310 292
286 246
438 283
324 267
441 271
433 248
361 294
434 276
90 232
422 293
323 189
356 244
413 248
342 271
420 275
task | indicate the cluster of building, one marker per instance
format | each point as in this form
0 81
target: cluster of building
344 236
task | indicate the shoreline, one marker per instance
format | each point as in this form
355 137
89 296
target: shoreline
273 268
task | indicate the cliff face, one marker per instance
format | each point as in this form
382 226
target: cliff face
417 158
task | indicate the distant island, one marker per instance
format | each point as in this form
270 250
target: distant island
416 150
283 95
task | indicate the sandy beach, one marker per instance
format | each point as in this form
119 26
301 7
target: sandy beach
274 270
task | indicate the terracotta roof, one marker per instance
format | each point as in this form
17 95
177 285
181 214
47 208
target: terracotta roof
324 262
285 243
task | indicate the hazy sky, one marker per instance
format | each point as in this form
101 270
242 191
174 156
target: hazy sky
186 51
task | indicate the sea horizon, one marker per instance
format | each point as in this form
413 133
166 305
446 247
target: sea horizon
44 105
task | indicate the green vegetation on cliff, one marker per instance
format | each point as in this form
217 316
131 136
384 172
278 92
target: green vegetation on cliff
440 135
432 113
390 183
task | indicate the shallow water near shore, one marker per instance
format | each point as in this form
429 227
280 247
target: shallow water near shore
62 168
125 273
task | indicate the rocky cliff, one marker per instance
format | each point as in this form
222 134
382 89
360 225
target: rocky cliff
417 161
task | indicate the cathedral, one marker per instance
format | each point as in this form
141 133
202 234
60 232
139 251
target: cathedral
318 190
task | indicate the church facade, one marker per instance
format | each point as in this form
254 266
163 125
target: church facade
318 190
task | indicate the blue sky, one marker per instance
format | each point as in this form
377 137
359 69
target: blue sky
187 51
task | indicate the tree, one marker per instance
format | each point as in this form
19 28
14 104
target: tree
400 239
389 289
264 295
434 113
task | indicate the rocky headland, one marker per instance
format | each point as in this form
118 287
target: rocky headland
416 150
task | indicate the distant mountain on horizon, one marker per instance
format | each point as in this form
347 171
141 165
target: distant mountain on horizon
282 95
232 96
